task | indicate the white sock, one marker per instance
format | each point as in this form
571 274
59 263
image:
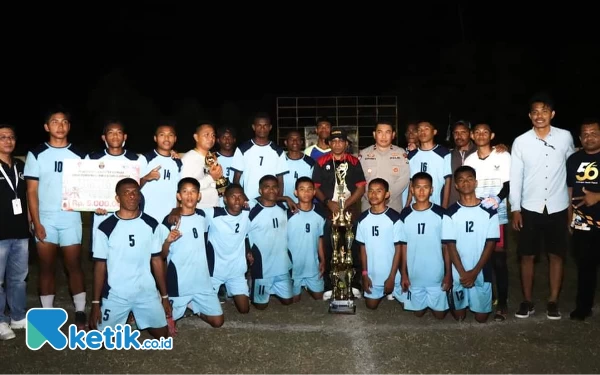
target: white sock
47 301
79 301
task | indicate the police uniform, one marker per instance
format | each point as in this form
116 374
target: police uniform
392 166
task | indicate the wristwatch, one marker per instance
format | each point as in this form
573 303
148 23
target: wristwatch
326 200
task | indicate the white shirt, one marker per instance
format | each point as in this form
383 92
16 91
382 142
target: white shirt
538 172
193 166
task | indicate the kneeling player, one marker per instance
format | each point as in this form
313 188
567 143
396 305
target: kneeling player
268 252
477 230
426 268
305 241
188 277
127 251
227 231
378 234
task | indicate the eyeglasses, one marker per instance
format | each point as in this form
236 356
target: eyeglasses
5 138
547 144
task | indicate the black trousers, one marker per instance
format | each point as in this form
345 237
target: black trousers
329 253
586 250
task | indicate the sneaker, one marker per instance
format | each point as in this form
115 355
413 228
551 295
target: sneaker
552 311
525 310
580 314
501 314
327 295
5 332
390 297
80 320
356 292
18 324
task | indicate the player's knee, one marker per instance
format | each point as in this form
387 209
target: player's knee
371 304
287 301
296 299
420 314
217 321
260 306
243 309
481 318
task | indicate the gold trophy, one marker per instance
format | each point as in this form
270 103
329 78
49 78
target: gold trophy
342 270
221 182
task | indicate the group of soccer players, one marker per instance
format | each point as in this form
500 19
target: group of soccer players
173 243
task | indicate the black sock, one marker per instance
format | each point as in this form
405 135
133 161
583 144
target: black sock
501 271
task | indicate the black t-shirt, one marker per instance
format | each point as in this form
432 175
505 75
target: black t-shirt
13 226
583 170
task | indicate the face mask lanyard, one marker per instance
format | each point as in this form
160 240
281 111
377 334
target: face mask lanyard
14 188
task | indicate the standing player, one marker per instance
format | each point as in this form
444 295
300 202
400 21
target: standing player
426 269
378 234
194 166
54 227
258 157
161 174
305 241
226 246
493 174
384 160
226 139
184 248
128 268
431 158
322 146
114 137
476 230
268 253
298 164
583 180
539 201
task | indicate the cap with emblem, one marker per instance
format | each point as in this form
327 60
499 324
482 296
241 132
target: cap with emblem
339 134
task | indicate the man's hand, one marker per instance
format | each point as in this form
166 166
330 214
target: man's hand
167 306
101 211
40 232
447 282
588 198
405 283
491 201
153 175
333 206
94 316
367 284
321 269
517 222
174 154
216 171
174 216
501 148
291 204
388 286
250 258
468 278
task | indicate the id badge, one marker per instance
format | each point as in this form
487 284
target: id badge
17 209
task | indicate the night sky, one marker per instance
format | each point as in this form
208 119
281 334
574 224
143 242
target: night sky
194 62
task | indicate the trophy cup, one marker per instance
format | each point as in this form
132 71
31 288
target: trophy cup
342 272
221 182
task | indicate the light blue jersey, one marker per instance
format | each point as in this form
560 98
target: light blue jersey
268 241
302 167
379 233
435 162
304 229
424 232
160 196
473 227
127 246
104 155
227 242
187 264
45 164
254 162
226 163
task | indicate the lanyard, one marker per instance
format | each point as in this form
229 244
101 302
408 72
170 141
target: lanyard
9 181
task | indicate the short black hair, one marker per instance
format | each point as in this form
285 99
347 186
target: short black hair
125 181
422 176
542 97
379 180
304 179
268 177
112 121
231 187
188 180
464 169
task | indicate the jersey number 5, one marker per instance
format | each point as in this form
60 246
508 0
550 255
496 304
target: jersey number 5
131 240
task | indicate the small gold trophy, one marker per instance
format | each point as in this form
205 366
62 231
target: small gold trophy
221 182
342 270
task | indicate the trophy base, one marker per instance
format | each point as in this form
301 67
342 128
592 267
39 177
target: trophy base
342 307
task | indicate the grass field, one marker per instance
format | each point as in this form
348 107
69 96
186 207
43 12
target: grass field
304 338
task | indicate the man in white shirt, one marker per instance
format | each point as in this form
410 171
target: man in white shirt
194 165
539 200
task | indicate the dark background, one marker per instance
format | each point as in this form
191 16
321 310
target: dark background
201 61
